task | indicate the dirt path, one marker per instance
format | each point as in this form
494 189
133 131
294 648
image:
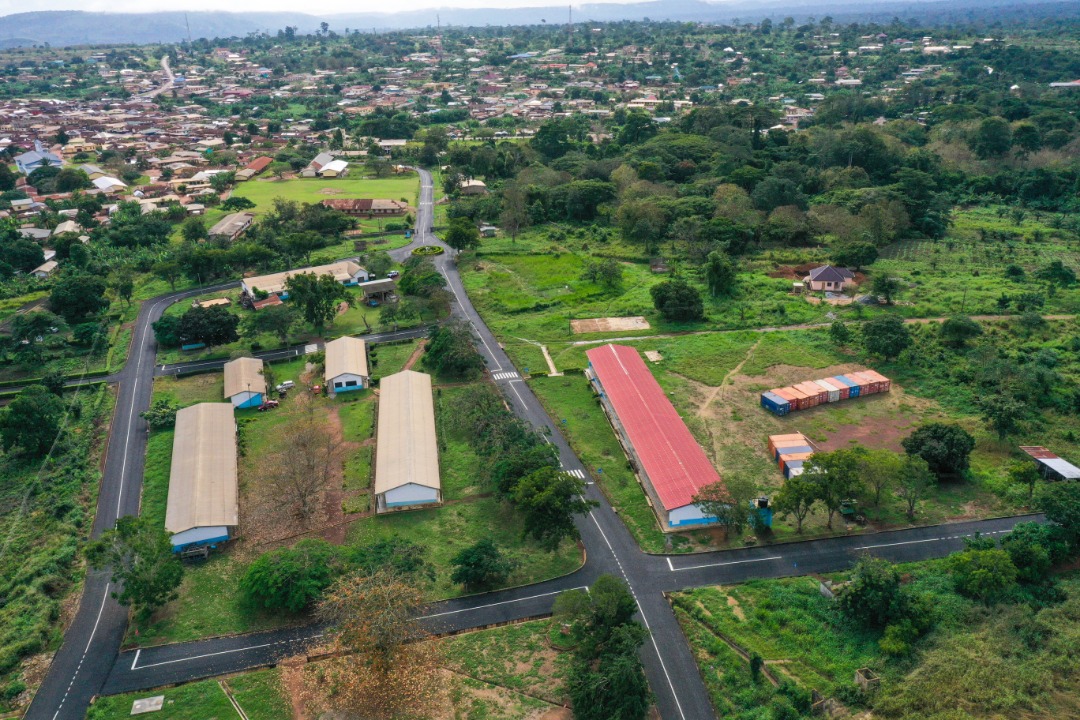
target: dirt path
292 677
804 326
334 528
721 389
417 353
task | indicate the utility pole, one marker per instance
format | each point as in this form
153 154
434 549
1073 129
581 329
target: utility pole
188 24
569 26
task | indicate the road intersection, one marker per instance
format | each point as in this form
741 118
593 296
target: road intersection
90 662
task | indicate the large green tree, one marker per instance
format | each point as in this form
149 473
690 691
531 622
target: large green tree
886 336
548 500
835 476
945 447
481 566
451 351
31 422
462 234
720 272
318 297
208 325
78 296
677 300
144 568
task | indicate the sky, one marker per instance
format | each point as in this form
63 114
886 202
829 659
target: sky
323 7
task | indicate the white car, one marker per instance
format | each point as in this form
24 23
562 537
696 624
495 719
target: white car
287 385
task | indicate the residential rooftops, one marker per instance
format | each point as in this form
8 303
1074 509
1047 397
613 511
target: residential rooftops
202 481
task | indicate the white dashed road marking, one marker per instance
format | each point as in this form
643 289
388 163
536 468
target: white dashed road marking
505 376
579 474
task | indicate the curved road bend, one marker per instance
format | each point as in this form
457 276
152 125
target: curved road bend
98 628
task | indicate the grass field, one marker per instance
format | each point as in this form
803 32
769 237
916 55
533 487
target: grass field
210 603
263 192
507 673
971 664
259 694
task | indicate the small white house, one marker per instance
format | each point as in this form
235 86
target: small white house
245 386
346 365
45 269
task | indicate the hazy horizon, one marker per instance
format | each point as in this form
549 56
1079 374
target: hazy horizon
327 7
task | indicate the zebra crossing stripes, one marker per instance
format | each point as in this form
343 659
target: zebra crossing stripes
579 474
505 376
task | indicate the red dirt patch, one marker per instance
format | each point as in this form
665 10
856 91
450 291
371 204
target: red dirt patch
419 351
874 432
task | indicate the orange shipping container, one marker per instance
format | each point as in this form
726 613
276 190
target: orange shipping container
793 396
775 439
794 456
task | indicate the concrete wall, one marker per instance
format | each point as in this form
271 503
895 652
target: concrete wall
407 496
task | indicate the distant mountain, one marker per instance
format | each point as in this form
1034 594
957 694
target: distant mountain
64 28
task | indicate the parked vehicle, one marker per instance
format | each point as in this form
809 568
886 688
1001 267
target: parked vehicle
268 405
287 385
393 274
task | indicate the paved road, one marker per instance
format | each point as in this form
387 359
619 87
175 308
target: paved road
89 662
170 79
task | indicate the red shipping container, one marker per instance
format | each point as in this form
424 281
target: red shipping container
869 387
884 383
820 395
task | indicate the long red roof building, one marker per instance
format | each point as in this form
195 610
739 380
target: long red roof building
673 466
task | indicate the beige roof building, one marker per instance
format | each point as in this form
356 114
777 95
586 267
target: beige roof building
345 272
244 379
203 504
407 455
346 362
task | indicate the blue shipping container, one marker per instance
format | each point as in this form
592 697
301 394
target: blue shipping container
775 404
851 384
792 465
792 451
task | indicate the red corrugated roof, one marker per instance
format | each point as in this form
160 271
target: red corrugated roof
259 164
671 458
1038 452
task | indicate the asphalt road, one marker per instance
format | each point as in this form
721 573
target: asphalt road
89 661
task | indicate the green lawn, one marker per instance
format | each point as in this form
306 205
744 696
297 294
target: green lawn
259 694
263 192
518 657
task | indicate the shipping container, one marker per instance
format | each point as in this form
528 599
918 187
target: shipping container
775 404
832 390
793 468
814 391
774 439
870 386
786 458
884 383
793 396
853 387
843 387
793 450
865 384
780 447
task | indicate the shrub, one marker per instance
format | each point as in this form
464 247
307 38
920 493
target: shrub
293 578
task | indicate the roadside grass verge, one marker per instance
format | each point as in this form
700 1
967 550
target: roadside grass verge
972 657
259 693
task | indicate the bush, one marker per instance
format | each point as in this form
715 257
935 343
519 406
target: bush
291 579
